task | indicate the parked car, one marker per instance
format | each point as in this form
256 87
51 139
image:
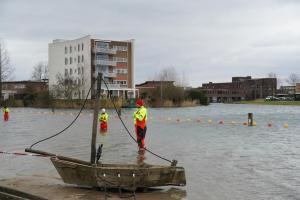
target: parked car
272 98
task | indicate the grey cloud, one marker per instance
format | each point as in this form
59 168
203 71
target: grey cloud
209 40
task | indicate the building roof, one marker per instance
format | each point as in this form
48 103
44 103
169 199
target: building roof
153 84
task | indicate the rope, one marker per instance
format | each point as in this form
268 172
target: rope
129 131
82 107
21 154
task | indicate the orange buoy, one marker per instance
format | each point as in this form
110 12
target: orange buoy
269 124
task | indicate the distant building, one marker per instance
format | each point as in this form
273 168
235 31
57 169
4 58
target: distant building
19 89
83 58
286 90
241 88
297 92
146 88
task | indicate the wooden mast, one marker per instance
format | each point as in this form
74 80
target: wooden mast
95 119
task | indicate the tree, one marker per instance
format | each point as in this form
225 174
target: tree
66 87
40 71
293 79
6 70
274 75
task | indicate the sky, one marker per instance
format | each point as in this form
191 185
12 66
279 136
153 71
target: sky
203 40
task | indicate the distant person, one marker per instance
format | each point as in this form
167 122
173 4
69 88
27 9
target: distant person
103 119
5 113
140 121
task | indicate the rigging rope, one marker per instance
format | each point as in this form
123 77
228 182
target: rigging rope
82 107
129 131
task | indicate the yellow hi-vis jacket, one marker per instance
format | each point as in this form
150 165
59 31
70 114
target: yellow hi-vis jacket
140 117
5 110
103 117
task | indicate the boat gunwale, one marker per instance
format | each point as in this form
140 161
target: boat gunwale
117 166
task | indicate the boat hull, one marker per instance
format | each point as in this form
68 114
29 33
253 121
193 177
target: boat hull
127 177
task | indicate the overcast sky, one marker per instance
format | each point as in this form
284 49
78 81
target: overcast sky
204 40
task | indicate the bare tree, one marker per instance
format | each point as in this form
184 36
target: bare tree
66 87
6 70
168 74
274 75
293 79
40 71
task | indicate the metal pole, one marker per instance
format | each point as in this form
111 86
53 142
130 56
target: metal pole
250 119
161 93
95 120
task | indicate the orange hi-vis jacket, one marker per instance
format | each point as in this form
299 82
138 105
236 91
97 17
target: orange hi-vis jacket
140 117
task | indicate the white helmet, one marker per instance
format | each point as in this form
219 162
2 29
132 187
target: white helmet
103 110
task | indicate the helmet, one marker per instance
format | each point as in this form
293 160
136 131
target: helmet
139 102
103 110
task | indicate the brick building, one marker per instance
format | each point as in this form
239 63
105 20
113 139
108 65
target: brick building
83 58
241 88
19 89
145 89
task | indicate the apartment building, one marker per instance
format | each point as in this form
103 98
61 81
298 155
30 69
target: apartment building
241 88
80 60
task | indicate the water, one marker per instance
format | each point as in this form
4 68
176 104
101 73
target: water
222 161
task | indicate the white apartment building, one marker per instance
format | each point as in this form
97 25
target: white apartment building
83 58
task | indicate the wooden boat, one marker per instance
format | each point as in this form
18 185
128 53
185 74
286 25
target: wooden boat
124 176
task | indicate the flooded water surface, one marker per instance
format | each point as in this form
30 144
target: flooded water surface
223 158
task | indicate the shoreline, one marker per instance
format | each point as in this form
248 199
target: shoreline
273 103
53 188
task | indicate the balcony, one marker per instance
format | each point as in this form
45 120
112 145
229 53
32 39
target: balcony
110 86
106 62
105 50
107 74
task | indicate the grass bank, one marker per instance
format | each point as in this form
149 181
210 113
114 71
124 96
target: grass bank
263 102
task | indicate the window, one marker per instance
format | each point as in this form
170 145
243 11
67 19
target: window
70 49
75 71
102 57
71 71
78 59
120 48
122 71
82 58
78 47
74 48
103 45
66 72
66 61
78 70
119 59
82 70
82 47
66 50
79 82
82 81
121 82
70 60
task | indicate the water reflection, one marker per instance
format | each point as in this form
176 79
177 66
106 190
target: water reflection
222 161
141 157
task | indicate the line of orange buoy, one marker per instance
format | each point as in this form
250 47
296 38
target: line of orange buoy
159 118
